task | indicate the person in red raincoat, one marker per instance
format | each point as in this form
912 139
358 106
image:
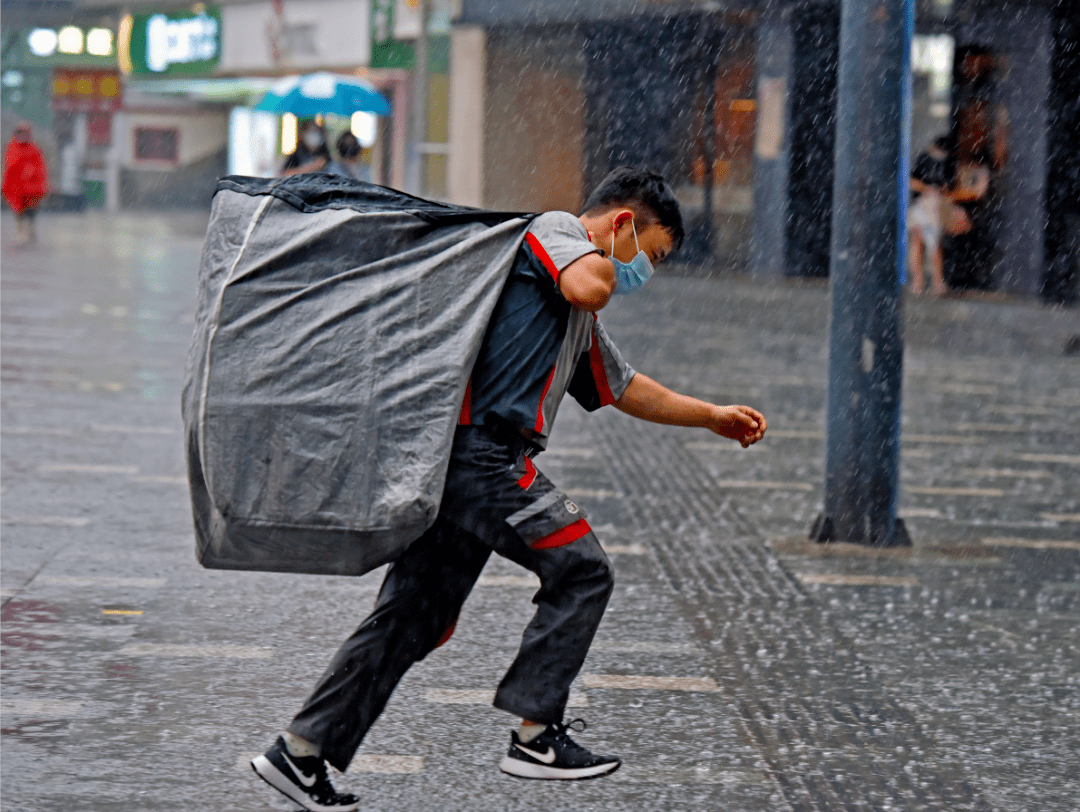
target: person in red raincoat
25 180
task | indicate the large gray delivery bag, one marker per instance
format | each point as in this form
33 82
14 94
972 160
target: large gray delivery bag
336 328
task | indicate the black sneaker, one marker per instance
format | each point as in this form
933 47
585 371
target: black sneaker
554 755
301 779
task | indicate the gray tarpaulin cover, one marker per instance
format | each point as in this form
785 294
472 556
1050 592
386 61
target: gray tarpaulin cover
336 327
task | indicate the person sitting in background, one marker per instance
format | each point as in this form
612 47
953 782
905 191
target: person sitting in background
311 154
25 181
350 158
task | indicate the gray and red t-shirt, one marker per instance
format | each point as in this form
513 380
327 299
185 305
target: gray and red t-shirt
538 346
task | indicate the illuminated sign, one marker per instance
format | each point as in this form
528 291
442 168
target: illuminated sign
179 42
99 42
164 44
45 42
79 90
69 40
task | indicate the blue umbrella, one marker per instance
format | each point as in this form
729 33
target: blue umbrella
323 93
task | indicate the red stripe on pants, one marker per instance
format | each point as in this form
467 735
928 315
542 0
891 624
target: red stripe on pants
529 476
560 537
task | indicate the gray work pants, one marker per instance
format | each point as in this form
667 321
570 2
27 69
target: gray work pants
494 500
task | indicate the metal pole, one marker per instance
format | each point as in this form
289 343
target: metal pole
868 252
418 136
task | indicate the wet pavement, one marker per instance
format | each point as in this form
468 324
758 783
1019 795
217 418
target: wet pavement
740 667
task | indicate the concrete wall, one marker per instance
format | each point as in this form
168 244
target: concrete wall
771 147
1024 42
534 109
797 47
468 72
202 148
200 135
306 35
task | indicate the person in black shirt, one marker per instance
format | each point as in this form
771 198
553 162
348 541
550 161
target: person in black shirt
312 154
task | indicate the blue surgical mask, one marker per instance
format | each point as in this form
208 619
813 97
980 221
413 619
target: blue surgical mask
629 276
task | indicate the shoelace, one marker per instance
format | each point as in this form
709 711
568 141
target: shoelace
562 731
570 725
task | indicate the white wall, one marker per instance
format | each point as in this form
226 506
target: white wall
468 81
309 35
200 135
253 142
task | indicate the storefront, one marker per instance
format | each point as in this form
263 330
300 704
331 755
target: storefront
982 74
173 144
65 82
544 108
194 80
736 102
277 38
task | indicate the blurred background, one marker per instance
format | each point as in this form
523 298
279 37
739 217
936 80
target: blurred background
517 105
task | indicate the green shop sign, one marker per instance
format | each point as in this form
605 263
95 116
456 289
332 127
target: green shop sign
388 52
172 43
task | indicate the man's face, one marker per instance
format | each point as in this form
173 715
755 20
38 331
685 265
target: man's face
652 238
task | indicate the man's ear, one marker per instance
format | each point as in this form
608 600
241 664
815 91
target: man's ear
622 218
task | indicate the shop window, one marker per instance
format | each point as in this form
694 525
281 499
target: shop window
157 144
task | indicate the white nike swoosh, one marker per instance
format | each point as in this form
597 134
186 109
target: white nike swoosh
306 780
546 758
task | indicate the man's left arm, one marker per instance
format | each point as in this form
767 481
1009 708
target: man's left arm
646 399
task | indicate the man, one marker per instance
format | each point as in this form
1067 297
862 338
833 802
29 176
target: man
25 182
542 342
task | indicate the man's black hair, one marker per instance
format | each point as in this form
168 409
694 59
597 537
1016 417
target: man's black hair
634 187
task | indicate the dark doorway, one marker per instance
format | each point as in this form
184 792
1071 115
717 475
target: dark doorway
816 55
1061 282
978 155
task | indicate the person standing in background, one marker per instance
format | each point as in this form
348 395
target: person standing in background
350 161
926 216
26 180
311 154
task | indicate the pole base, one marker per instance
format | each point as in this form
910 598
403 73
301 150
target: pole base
823 531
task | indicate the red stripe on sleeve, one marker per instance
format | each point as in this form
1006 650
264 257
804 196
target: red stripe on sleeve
540 409
466 406
596 362
529 476
542 255
560 537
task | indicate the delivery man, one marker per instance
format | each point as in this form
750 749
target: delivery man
543 341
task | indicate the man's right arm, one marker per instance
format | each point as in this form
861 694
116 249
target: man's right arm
588 282
646 399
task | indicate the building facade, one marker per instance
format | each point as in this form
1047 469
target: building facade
735 103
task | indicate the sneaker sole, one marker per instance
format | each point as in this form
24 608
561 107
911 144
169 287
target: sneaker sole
525 769
265 769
